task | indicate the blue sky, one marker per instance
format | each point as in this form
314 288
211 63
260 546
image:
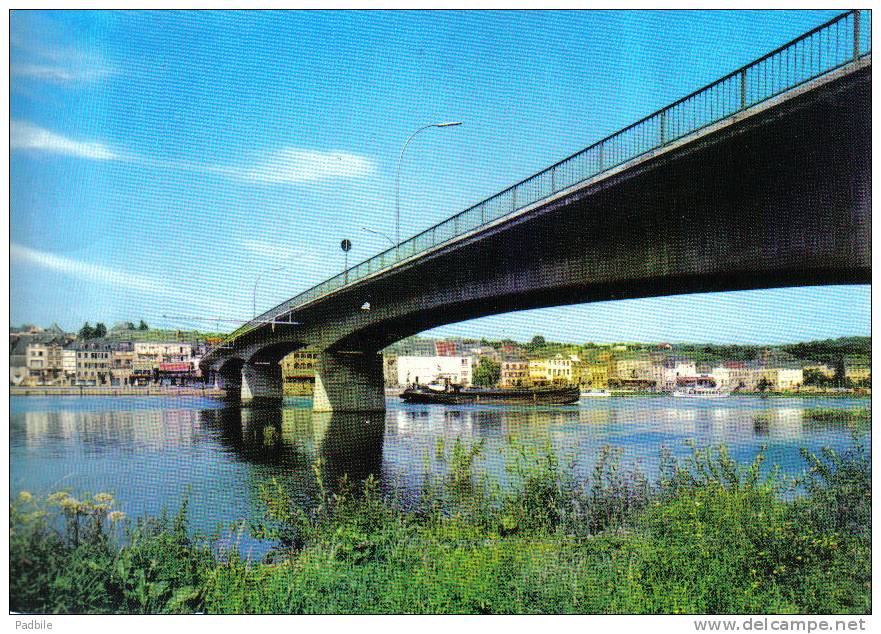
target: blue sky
160 161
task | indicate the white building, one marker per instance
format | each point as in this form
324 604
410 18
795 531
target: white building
665 374
788 378
735 376
68 363
163 352
423 370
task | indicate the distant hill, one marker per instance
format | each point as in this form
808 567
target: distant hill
855 349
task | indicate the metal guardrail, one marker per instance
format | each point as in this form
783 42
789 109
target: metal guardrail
836 43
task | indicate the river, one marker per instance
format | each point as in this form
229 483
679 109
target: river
151 452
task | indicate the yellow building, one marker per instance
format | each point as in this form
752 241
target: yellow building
781 379
635 368
538 371
556 370
580 374
598 375
858 373
298 371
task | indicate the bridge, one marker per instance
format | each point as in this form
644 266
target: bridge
761 179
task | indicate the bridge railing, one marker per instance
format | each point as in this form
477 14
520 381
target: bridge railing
836 43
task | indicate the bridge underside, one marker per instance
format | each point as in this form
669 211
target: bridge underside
779 198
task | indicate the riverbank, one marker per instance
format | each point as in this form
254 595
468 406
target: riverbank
710 536
862 394
129 390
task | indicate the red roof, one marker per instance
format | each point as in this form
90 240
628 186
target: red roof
174 367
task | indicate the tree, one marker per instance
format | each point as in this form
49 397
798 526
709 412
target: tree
840 374
812 376
143 325
100 330
129 325
487 373
86 332
764 384
537 341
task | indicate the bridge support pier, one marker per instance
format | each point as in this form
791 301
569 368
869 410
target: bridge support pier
349 382
262 383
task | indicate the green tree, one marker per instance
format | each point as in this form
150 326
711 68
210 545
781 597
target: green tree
840 375
100 330
487 373
86 332
143 325
816 378
537 341
764 384
129 325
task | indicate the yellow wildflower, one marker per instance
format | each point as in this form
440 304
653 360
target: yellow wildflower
57 497
70 504
25 497
104 498
116 516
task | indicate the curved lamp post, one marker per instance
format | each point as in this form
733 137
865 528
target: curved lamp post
379 233
448 124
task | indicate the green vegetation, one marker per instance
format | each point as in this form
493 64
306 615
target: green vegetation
709 536
829 417
87 332
831 351
487 373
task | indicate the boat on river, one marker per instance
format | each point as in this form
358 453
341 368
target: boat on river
596 394
700 392
449 394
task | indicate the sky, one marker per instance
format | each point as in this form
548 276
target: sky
162 163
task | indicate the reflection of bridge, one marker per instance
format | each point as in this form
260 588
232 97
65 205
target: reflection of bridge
759 180
348 442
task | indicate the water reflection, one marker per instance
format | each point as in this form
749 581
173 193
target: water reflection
148 429
347 443
152 453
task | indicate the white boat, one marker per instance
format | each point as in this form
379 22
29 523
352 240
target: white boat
700 392
596 394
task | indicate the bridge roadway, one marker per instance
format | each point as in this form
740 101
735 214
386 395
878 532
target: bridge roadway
775 194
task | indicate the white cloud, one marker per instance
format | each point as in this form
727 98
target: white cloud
288 165
27 136
297 165
63 73
95 273
37 52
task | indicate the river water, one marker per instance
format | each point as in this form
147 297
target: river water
151 452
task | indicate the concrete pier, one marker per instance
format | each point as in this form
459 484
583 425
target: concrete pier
349 382
262 383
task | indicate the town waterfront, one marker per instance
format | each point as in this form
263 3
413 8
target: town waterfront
152 452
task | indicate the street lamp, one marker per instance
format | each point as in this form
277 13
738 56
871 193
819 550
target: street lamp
257 281
448 124
379 233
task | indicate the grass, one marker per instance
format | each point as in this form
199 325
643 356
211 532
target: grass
830 417
708 536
